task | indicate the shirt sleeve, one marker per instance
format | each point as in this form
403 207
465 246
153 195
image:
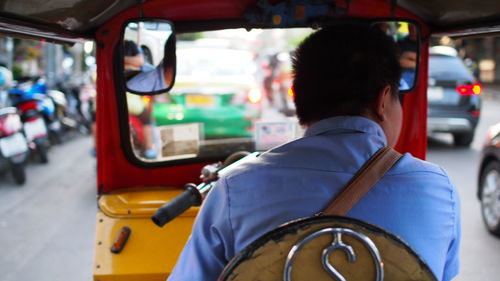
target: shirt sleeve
148 81
209 248
452 265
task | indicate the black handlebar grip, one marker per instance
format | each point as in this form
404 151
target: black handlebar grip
188 198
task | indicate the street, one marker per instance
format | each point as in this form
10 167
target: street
47 225
480 251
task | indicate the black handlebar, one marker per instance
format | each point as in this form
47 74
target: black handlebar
191 196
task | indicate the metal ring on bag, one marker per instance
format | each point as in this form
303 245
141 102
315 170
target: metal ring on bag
336 244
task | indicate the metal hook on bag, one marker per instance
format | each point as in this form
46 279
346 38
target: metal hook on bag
337 244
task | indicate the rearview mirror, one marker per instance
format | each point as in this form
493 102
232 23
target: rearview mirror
148 56
406 36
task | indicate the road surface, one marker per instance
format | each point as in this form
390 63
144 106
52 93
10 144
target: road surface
47 225
480 252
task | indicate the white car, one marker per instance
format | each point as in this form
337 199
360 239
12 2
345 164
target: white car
150 37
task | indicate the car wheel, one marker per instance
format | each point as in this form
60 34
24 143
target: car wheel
463 139
490 197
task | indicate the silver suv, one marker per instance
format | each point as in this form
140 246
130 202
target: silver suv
454 96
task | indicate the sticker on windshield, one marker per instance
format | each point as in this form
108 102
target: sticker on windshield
271 134
180 141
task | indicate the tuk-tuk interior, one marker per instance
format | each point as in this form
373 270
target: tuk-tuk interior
131 186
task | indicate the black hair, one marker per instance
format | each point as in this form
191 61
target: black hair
130 48
340 70
170 58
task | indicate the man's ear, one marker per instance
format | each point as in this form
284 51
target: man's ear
382 102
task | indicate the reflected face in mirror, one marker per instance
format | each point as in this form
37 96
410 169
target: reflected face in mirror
408 59
405 35
133 57
149 56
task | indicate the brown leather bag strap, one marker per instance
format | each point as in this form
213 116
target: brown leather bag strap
365 178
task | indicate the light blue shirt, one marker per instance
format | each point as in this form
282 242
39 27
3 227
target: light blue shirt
415 199
148 81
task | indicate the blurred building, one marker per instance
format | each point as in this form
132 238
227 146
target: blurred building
486 52
55 62
30 58
482 55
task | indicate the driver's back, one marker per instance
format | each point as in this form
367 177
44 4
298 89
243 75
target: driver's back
414 200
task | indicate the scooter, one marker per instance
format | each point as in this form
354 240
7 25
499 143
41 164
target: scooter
87 94
71 108
36 89
13 145
47 107
34 126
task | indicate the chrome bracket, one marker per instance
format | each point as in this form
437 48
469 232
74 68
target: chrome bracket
336 244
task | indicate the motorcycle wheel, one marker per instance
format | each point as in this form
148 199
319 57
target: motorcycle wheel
41 150
56 137
18 173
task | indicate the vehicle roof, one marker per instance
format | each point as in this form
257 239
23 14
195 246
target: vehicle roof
64 20
461 17
450 68
444 51
73 20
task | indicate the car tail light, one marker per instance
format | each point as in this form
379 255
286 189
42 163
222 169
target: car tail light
291 92
475 113
254 95
146 99
470 90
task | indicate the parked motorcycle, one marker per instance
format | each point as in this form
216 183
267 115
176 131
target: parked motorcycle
36 89
31 109
71 107
13 145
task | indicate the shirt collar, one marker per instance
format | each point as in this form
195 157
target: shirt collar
349 123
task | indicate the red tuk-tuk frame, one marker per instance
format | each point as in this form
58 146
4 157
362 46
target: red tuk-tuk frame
112 161
130 191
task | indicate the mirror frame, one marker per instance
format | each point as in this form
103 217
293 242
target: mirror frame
419 48
168 49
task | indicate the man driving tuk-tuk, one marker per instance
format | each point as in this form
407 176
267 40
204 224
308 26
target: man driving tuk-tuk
212 107
346 85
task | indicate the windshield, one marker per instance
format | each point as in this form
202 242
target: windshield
231 93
